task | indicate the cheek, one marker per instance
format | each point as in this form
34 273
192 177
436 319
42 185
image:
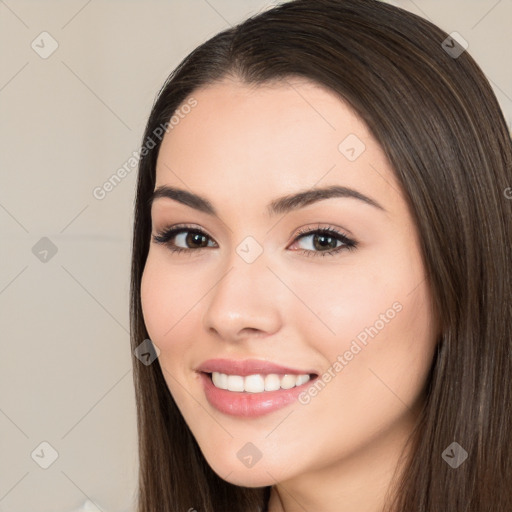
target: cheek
377 316
405 352
167 298
168 310
376 368
155 302
340 304
386 352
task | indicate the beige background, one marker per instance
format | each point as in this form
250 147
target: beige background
68 122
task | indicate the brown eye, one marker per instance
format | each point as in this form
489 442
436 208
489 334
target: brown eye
196 239
177 237
324 241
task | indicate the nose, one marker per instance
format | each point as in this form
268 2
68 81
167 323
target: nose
244 301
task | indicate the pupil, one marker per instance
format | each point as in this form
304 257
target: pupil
323 243
194 238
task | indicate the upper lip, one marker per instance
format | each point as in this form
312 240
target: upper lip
248 367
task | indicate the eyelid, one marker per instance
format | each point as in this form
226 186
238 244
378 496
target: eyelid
321 226
181 226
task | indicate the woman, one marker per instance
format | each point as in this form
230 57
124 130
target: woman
374 379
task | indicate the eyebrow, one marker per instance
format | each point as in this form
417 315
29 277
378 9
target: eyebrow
280 205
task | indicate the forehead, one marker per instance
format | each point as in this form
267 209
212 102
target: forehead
245 141
248 118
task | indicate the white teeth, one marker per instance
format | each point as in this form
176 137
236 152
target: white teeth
254 384
272 382
288 381
235 383
302 379
257 383
220 380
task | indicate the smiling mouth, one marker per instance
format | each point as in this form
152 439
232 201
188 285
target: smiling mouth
258 383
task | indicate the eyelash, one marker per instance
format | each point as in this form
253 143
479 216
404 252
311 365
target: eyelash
164 237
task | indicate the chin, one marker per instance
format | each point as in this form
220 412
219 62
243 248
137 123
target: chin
260 475
249 479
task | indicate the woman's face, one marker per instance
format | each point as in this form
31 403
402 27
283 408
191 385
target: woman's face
350 306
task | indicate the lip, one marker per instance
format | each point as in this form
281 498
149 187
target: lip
248 367
245 404
249 405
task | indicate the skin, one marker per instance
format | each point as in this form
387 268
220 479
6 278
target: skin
241 147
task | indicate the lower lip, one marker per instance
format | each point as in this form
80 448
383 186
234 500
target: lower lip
249 405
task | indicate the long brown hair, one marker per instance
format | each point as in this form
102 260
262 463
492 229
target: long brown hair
438 121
